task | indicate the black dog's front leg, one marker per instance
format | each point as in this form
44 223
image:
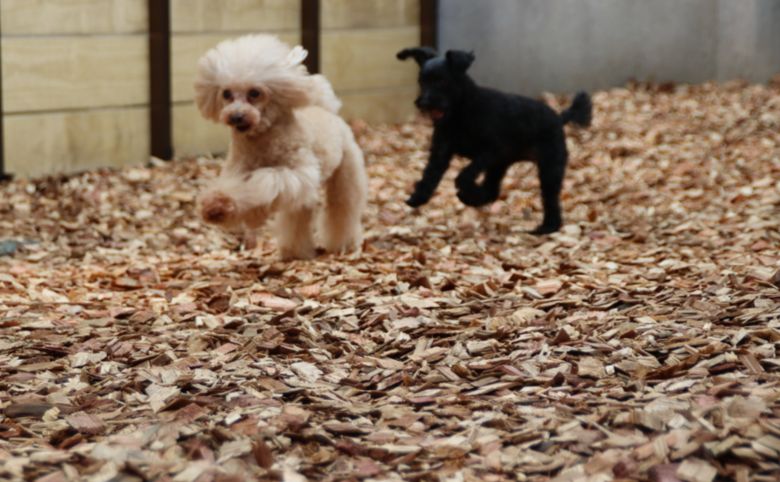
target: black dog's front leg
438 162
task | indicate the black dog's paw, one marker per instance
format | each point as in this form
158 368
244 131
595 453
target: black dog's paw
464 181
475 197
417 199
546 229
470 198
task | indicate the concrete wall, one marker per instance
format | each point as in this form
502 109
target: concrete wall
530 46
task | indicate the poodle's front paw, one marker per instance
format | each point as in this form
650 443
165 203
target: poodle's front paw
256 217
249 240
217 208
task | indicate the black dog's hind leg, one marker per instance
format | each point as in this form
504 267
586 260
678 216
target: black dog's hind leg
472 195
467 178
552 166
438 162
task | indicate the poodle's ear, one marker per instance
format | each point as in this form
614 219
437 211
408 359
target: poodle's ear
207 90
296 56
420 54
459 61
291 91
207 100
291 88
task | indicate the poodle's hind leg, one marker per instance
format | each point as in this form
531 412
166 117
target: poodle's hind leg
346 193
295 234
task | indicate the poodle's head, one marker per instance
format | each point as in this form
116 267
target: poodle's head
248 82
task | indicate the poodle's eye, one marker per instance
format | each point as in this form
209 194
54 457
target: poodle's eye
254 94
227 95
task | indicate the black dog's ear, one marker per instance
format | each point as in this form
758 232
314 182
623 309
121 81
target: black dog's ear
420 54
459 61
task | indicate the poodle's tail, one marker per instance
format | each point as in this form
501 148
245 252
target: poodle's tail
322 94
580 111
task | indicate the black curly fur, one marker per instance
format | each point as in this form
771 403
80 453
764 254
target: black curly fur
491 128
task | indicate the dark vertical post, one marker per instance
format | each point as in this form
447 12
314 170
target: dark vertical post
3 175
310 33
160 78
429 26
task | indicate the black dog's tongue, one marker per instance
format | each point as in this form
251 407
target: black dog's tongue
436 114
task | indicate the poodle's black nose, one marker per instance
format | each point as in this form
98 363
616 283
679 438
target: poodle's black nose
236 119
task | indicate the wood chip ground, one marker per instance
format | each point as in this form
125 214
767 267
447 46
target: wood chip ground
639 343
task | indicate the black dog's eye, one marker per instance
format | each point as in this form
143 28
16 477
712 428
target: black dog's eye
254 94
227 95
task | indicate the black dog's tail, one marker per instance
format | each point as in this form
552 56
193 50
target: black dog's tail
580 112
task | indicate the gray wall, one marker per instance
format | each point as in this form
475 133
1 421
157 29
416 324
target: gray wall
530 46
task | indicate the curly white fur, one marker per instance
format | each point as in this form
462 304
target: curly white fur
287 142
260 60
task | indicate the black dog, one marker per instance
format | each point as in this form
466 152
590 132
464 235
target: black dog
492 129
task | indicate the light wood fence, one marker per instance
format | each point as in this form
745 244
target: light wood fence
81 79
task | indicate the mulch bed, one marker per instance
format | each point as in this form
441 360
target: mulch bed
640 342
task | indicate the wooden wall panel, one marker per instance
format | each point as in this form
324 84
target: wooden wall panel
364 59
359 41
380 106
76 72
46 17
46 143
193 135
234 15
54 73
345 14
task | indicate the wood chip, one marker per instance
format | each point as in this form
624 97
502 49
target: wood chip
638 343
85 423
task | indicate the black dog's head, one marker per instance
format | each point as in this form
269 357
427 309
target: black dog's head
442 79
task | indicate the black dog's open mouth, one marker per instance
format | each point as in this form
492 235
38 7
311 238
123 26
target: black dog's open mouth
435 114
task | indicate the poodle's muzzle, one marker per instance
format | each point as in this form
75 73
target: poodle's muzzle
239 122
241 116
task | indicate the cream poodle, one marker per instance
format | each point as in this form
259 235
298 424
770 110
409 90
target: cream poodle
287 142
